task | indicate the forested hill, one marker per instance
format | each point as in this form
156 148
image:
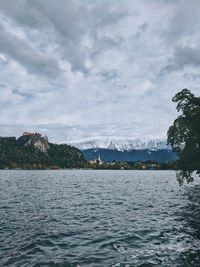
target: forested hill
33 151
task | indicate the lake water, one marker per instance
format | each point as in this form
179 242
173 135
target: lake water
98 218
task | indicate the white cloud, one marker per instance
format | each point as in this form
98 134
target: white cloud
93 68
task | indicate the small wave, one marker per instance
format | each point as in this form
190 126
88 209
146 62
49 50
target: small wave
120 248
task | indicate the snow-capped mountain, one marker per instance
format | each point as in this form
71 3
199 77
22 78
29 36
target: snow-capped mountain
122 144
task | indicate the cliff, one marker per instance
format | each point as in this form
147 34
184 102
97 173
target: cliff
35 152
37 141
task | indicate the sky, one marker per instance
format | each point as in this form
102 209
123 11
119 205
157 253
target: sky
78 69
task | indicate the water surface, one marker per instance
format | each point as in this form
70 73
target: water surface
98 218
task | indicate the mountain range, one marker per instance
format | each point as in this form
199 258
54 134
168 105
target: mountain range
126 149
122 144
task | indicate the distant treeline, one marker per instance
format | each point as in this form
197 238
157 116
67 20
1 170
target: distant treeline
139 165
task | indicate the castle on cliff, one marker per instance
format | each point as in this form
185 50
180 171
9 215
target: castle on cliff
30 134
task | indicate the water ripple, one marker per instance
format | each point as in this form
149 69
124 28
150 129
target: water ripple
98 218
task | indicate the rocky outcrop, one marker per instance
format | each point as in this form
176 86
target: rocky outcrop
38 141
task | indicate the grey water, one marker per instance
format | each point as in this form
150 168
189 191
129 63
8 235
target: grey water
98 218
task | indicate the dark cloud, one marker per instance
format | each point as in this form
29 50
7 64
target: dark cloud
2 85
141 29
105 43
184 20
69 21
33 60
183 57
27 96
109 75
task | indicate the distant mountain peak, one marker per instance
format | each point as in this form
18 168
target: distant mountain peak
122 143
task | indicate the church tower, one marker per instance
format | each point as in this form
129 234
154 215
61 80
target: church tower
99 160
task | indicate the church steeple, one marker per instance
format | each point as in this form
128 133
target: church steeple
99 160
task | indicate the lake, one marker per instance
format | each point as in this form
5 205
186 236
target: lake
98 218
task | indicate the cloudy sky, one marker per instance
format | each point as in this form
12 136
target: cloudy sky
77 69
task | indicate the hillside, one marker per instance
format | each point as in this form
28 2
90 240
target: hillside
33 151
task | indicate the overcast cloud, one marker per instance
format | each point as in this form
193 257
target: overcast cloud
77 69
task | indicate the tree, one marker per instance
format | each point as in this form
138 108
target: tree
184 134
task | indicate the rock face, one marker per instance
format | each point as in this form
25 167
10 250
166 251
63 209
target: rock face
39 142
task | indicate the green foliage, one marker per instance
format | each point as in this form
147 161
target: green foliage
24 153
184 134
138 165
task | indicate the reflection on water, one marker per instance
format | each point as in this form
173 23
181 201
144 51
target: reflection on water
98 218
190 214
184 176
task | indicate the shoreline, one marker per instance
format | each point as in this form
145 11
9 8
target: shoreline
83 169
